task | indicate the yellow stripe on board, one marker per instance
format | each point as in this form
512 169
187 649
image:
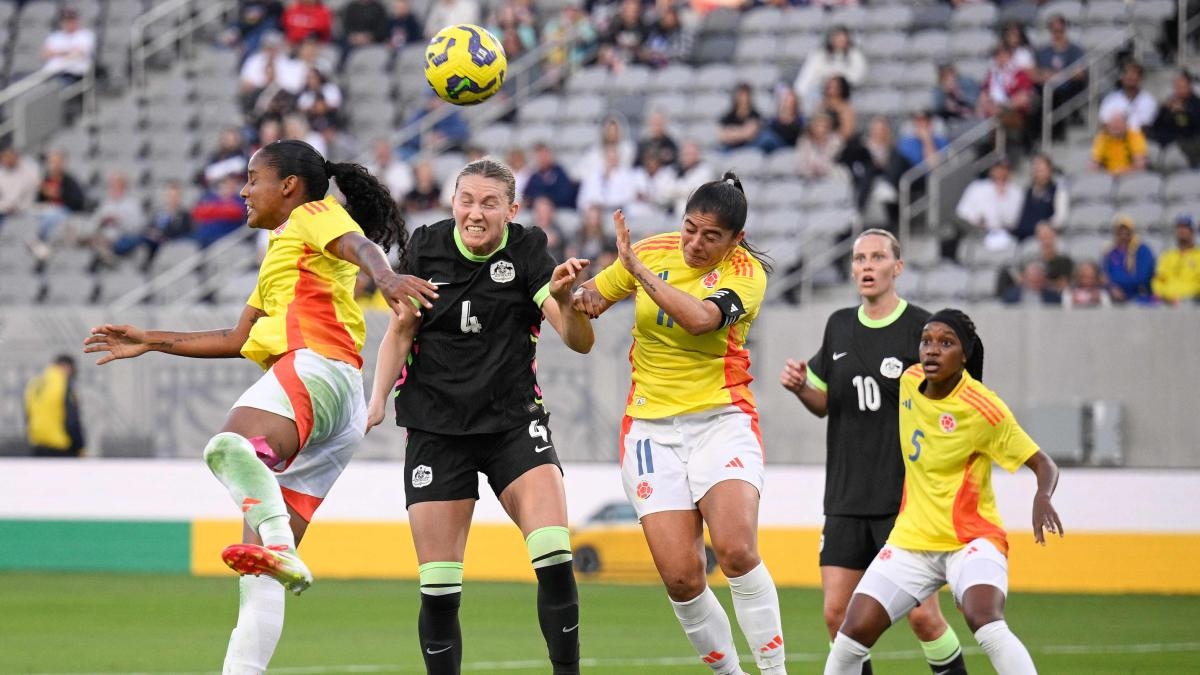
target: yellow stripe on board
1079 563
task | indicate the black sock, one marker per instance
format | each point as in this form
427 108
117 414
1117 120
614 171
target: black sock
955 666
558 614
441 637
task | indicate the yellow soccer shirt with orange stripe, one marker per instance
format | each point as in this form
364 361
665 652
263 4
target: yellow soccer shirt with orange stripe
675 373
306 293
949 445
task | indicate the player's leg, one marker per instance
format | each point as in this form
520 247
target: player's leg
847 549
537 503
725 475
837 587
978 576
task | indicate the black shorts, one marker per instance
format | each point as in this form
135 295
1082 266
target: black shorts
852 542
438 467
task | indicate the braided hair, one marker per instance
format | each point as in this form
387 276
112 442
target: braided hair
964 328
368 201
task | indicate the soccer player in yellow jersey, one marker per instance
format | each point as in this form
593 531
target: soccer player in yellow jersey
691 450
951 430
290 434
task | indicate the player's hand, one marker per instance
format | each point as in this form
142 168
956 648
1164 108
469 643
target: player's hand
1045 519
120 341
624 247
564 277
398 288
375 414
588 300
794 376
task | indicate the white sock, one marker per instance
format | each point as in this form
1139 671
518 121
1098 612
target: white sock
845 657
1004 650
252 485
707 628
260 623
756 603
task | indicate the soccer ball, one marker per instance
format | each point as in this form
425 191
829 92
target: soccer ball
465 64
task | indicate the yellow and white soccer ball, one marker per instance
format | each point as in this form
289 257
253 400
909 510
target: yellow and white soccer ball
465 64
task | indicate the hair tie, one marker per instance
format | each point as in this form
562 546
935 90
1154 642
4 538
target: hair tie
329 169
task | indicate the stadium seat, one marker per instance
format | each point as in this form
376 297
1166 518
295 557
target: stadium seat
882 47
583 108
714 49
675 77
931 16
978 15
972 42
19 286
720 22
798 20
888 18
1071 10
633 79
1148 216
848 15
908 284
1183 186
776 223
763 77
1108 11
1090 186
496 139
1088 246
761 21
945 282
1138 187
757 49
594 80
921 251
1093 217
929 45
981 287
747 162
1154 10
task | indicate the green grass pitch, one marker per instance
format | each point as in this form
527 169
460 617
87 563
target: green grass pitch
100 623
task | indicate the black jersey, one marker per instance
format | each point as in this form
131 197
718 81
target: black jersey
472 368
859 363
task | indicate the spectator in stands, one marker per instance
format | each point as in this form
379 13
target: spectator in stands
296 127
305 19
269 70
955 96
170 220
116 224
364 22
992 205
622 42
321 99
1033 288
425 195
1136 104
549 179
68 52
593 241
219 211
1055 57
922 143
657 139
571 27
58 196
53 425
612 134
613 186
229 159
838 57
1178 119
450 12
515 30
19 178
692 171
519 163
1177 274
669 40
404 27
655 183
1045 201
255 18
449 134
396 175
783 129
1087 287
835 102
544 218
1058 266
1008 93
875 168
741 123
1013 36
1129 264
819 149
1118 149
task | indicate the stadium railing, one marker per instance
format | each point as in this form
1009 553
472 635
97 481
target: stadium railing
1101 67
25 90
173 24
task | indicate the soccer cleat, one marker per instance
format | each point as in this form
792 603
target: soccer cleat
278 562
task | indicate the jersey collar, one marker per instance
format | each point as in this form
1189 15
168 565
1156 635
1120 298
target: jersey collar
466 252
877 323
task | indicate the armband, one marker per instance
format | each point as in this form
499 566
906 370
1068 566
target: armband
730 304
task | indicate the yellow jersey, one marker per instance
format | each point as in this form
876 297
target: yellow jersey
949 445
46 409
306 293
1177 275
675 373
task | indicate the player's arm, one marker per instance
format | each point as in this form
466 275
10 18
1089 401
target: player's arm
393 354
126 342
356 249
1045 517
590 301
572 325
795 378
692 314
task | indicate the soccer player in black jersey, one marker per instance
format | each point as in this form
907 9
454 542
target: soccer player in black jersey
854 379
464 374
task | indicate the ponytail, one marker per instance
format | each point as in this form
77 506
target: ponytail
725 200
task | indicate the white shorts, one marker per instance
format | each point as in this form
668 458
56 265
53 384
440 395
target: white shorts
325 399
899 578
668 464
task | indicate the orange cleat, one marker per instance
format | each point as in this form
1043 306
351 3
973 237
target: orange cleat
278 562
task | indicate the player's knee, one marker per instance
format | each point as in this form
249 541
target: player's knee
223 446
736 558
549 546
685 585
978 617
927 625
834 616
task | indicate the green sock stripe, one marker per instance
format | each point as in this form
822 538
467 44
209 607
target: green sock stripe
441 578
549 546
942 650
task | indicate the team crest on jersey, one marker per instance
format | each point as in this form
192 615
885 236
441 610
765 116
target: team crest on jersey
947 422
422 476
710 280
891 368
644 490
503 272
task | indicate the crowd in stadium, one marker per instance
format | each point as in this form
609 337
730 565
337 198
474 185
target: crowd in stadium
291 67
